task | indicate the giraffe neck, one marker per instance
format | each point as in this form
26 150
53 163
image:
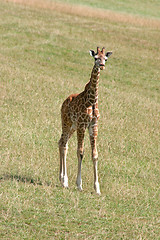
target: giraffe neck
91 88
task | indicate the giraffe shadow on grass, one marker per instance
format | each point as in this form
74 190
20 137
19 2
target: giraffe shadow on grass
23 179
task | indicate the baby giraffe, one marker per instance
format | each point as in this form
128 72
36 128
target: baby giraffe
78 112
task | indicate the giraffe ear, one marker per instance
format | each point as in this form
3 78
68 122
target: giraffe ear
92 53
108 54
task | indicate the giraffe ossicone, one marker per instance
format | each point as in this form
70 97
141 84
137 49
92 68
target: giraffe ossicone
79 112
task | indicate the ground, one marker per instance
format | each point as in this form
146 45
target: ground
44 57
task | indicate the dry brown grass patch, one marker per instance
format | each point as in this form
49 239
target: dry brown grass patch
90 12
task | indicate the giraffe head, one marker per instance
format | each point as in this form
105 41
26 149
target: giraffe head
100 57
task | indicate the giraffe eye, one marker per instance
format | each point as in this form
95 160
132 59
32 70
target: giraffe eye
96 58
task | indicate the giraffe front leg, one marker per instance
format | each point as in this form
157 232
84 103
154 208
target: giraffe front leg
80 153
93 132
63 148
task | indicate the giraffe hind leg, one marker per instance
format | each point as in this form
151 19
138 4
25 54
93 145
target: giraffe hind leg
63 170
63 148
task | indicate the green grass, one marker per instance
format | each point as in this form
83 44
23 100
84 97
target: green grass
44 57
144 8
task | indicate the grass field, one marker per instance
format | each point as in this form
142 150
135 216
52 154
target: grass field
136 7
44 57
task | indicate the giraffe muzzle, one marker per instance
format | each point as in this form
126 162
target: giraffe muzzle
102 66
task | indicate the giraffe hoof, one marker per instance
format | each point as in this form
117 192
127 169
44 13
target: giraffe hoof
98 193
97 188
79 185
80 188
65 185
65 182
